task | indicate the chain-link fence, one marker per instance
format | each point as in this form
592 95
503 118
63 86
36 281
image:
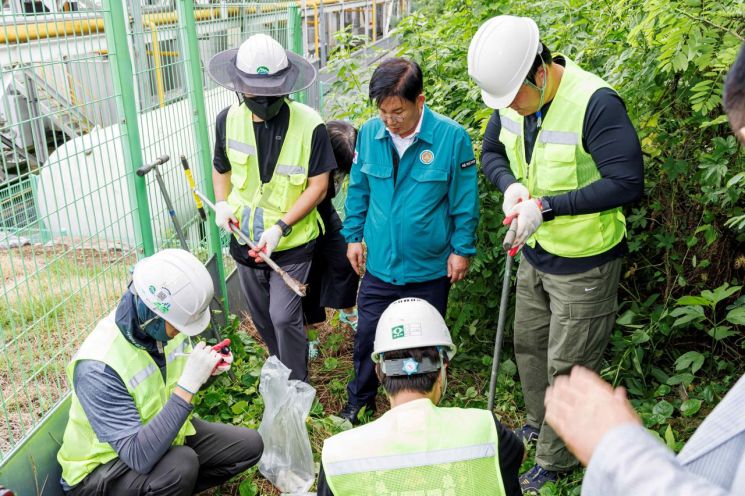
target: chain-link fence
91 91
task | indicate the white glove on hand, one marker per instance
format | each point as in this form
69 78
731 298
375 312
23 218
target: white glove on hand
224 214
514 194
269 240
224 365
529 219
200 365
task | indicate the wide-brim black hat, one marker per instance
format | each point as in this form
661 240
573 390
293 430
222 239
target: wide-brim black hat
297 76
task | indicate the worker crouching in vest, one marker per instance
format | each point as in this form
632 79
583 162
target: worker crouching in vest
417 447
271 168
130 429
561 147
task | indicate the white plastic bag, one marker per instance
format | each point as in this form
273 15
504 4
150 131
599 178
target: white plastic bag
287 461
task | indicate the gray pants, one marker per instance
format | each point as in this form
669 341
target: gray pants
560 321
210 457
277 313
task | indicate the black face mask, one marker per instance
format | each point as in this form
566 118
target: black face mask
265 107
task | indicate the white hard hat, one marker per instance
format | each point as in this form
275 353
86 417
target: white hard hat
175 285
500 56
261 67
411 323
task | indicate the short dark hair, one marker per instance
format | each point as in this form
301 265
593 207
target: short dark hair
418 383
543 57
734 92
396 77
343 138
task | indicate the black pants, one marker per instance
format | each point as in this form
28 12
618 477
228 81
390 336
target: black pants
374 297
210 457
332 282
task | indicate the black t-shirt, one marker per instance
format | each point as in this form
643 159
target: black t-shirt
270 136
610 138
511 451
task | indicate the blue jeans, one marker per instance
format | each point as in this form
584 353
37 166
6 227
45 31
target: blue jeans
373 298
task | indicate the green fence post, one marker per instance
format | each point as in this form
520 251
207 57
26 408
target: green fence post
115 24
295 41
196 97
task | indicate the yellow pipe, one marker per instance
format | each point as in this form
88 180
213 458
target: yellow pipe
315 27
23 33
374 22
156 61
165 53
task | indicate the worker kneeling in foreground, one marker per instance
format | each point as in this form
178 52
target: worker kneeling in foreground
417 446
134 378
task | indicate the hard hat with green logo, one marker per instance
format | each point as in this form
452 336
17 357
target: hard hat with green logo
175 285
411 323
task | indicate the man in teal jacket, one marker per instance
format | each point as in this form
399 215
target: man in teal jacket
413 199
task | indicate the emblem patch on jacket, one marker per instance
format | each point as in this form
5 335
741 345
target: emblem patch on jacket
426 157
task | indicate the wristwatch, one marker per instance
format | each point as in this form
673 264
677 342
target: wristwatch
546 211
286 230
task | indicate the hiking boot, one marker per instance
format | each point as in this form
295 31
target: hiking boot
352 412
534 479
527 434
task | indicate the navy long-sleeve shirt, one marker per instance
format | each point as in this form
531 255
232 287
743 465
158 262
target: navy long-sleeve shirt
113 415
610 138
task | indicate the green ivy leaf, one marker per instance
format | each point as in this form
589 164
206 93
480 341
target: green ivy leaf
736 316
663 408
690 407
692 359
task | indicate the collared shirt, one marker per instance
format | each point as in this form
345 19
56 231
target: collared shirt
628 460
411 227
402 144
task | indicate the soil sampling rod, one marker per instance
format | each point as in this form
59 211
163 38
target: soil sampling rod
295 285
509 238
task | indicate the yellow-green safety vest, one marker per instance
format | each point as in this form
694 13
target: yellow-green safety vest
417 448
259 206
81 452
560 164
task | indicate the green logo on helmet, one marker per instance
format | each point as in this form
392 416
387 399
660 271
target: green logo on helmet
163 307
397 332
262 69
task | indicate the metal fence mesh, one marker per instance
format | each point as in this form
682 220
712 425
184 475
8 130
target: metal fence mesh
91 90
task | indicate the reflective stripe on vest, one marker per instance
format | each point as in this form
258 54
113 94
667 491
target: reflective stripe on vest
81 452
411 460
560 164
259 206
417 448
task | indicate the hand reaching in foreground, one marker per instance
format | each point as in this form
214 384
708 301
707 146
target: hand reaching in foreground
582 408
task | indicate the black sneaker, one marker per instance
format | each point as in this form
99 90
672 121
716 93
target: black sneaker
534 479
527 434
352 412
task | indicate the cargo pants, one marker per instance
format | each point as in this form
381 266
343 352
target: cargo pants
560 321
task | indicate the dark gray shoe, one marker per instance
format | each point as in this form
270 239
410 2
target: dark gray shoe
353 412
534 479
527 434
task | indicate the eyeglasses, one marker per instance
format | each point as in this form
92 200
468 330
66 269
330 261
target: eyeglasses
394 118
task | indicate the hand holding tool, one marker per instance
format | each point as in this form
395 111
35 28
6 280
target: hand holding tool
295 285
224 215
199 367
223 348
267 242
529 219
514 194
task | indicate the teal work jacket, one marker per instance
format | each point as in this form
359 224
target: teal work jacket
432 211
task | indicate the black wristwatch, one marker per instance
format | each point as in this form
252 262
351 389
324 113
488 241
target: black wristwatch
546 211
286 230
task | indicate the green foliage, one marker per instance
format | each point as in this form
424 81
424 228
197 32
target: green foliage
679 343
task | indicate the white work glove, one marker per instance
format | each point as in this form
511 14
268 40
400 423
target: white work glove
200 365
223 215
267 242
514 194
225 363
529 219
